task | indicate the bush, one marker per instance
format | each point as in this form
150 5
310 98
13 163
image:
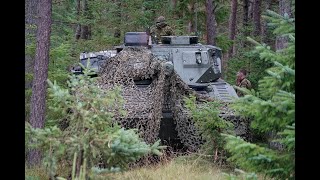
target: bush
89 129
210 125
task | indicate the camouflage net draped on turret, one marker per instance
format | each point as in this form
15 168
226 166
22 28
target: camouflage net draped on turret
144 104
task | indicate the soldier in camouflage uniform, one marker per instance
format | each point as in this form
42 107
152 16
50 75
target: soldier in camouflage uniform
242 81
161 28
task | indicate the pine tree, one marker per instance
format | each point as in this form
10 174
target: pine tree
87 129
210 125
272 108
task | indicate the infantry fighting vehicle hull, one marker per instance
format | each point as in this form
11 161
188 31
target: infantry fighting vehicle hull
198 66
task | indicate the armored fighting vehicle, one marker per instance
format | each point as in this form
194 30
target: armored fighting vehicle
198 65
154 102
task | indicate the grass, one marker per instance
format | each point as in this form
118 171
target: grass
35 174
39 173
180 168
183 168
173 170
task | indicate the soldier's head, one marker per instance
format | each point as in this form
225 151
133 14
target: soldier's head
242 73
161 21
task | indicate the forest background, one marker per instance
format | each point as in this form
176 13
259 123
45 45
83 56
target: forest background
57 31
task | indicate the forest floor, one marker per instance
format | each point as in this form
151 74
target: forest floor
177 169
180 168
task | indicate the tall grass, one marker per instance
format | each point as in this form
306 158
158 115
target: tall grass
180 168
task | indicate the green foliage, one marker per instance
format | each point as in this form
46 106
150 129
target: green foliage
270 114
30 49
97 43
272 109
146 17
251 62
28 92
28 77
248 59
183 167
30 40
135 15
210 125
288 138
240 174
223 41
60 60
89 128
27 95
287 27
83 170
275 100
260 159
248 155
48 140
222 12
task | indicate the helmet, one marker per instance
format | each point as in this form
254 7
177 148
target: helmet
160 19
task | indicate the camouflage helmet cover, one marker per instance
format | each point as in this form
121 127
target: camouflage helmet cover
160 19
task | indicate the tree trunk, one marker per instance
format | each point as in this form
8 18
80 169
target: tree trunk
118 18
256 17
196 18
85 33
38 97
232 25
210 23
250 11
31 12
191 27
78 30
284 7
245 22
173 4
117 35
264 29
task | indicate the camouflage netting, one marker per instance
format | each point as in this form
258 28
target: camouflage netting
144 104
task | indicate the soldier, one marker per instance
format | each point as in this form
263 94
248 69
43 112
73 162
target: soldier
242 81
161 28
